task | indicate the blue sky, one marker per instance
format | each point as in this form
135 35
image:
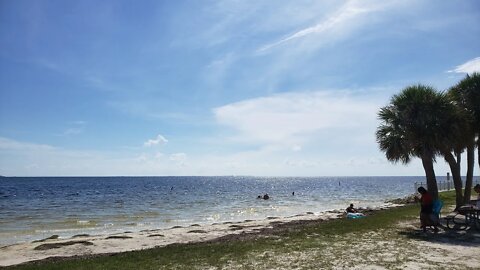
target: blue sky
218 87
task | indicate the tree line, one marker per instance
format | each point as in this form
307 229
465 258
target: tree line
426 123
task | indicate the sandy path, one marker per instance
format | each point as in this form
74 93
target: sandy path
403 247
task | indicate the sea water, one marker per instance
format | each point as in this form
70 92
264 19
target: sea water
38 207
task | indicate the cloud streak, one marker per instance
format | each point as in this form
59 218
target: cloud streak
468 67
9 144
159 140
347 14
76 128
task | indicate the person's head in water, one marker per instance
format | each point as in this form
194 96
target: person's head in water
422 190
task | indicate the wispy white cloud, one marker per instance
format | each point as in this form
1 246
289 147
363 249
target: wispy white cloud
468 67
346 17
179 159
73 131
75 128
345 13
216 70
9 144
317 51
159 140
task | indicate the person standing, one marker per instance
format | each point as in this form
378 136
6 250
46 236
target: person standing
426 210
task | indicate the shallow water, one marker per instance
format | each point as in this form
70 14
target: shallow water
37 207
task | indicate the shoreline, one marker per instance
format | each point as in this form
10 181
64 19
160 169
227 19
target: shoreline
53 247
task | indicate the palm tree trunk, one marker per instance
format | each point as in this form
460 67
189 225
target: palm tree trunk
457 179
478 149
470 168
427 161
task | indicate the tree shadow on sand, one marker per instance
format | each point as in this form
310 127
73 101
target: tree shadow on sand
456 235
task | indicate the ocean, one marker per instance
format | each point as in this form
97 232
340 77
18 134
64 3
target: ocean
38 207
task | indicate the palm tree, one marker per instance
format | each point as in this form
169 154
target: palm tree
459 126
416 123
466 95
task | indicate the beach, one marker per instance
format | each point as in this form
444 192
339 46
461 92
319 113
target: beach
280 243
38 207
239 135
83 245
284 240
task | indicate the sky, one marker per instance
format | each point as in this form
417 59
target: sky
264 88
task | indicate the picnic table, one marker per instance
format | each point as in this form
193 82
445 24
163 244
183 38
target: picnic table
469 216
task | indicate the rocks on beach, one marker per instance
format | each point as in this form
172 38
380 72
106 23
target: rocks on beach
118 237
61 244
55 236
406 200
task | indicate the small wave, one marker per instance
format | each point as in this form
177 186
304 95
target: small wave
68 223
86 222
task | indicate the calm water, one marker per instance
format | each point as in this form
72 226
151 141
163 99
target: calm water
33 208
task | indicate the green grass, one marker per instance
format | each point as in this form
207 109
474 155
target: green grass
318 239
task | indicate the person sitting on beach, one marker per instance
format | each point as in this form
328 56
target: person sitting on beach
426 210
353 213
350 209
